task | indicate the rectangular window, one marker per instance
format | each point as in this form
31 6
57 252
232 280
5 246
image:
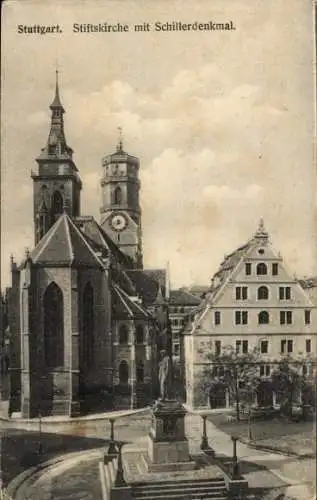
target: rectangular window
241 293
218 347
217 317
308 345
176 349
289 346
284 292
286 317
265 370
282 317
241 317
244 317
244 346
238 346
307 317
248 268
264 346
305 371
275 269
283 346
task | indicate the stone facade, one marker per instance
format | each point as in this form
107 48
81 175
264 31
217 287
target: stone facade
254 303
83 330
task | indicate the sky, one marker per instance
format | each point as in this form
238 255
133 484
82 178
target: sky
223 123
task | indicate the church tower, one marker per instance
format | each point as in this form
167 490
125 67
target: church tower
56 186
120 210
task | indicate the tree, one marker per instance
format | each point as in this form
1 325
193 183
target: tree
238 372
293 378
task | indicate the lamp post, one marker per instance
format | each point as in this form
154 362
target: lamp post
235 465
112 450
120 481
204 445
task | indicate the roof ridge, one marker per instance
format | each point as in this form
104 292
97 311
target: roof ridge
132 302
119 292
85 241
71 250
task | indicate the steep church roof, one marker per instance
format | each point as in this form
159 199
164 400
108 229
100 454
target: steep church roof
183 297
124 305
64 244
100 239
148 283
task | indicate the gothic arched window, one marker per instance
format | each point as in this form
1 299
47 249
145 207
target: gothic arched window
88 326
123 334
57 203
139 334
117 196
261 269
263 292
140 372
123 372
53 326
263 318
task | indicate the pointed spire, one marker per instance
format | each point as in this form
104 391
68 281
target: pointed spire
159 297
56 144
168 281
120 141
261 232
57 101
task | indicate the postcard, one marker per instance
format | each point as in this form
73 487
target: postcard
158 252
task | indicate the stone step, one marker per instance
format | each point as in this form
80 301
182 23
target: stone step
185 486
213 488
182 495
150 493
218 481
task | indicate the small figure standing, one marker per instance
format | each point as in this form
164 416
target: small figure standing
165 376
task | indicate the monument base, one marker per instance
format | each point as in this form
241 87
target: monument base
167 444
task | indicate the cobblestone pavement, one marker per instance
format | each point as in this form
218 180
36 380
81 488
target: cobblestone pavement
267 470
80 482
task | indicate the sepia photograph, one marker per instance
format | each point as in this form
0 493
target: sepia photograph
158 312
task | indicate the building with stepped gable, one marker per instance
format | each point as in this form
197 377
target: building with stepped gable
254 302
86 320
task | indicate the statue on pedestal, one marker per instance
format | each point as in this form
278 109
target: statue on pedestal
165 376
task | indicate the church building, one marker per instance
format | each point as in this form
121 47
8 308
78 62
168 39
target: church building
87 322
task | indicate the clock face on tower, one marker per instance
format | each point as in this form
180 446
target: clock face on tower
118 222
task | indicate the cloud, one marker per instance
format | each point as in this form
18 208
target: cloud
217 147
188 219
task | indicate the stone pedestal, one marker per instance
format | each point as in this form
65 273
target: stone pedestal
167 443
